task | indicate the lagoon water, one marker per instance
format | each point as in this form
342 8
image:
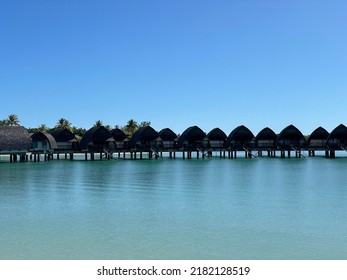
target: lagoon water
264 208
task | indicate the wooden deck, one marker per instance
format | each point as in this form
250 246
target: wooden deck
156 153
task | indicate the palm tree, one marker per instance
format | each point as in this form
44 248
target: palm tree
42 127
108 127
3 122
130 127
12 120
78 131
98 123
63 123
145 123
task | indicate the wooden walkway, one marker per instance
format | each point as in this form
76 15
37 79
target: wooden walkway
155 153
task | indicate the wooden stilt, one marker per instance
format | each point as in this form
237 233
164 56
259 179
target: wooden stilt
332 153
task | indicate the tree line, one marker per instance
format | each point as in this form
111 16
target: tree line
129 128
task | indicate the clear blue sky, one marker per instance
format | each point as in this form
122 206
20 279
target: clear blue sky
175 63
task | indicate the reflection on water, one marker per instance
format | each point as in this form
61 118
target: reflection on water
174 209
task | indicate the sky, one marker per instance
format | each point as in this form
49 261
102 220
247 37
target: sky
258 63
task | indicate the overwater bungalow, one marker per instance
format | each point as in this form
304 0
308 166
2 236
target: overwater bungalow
121 140
167 139
290 139
240 138
337 139
14 140
65 139
192 138
216 138
42 141
96 139
143 139
265 139
317 140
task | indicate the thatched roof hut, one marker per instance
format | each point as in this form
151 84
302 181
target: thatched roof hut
62 135
42 140
118 134
121 140
266 138
241 137
167 139
191 138
289 138
166 134
14 138
216 138
143 138
318 138
96 139
65 138
338 138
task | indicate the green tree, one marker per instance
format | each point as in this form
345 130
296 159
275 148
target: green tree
130 128
63 123
108 127
43 127
98 123
78 131
3 123
12 120
145 123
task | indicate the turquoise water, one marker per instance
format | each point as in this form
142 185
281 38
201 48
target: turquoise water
262 208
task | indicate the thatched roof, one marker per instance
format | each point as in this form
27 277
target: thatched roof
319 133
240 133
44 136
289 133
167 134
192 134
339 133
14 138
290 136
216 134
143 134
118 134
266 134
63 135
98 135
